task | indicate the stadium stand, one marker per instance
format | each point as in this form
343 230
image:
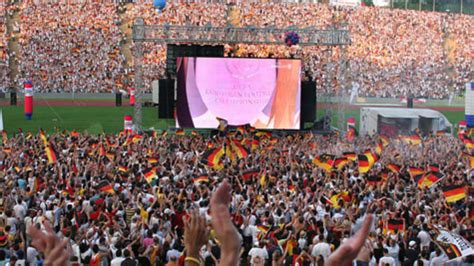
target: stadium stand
70 47
4 79
431 57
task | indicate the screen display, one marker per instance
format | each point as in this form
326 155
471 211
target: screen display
264 93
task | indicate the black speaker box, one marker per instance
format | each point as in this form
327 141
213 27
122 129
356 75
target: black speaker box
165 98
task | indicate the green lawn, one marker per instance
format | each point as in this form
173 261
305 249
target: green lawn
93 119
110 119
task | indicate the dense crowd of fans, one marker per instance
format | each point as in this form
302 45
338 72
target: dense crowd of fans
71 47
76 46
3 47
119 197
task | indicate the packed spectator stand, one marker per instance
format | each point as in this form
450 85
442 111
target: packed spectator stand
77 46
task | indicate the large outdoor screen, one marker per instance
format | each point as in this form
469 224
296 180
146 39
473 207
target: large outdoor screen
262 92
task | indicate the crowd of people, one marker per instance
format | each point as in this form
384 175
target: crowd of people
126 199
76 46
4 79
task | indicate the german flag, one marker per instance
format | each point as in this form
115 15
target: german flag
110 156
128 141
374 180
468 142
222 124
229 151
152 160
180 132
136 138
344 195
249 174
371 157
164 133
434 167
364 164
201 179
262 231
325 161
394 167
150 176
38 184
7 150
123 169
238 149
415 171
454 193
194 133
255 143
105 186
470 157
51 154
379 148
213 157
384 139
413 139
102 151
340 162
288 246
326 200
395 225
429 179
440 133
111 144
350 155
43 137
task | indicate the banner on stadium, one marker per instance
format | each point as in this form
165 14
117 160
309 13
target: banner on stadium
381 3
350 3
453 245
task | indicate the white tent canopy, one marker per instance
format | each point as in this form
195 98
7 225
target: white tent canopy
399 121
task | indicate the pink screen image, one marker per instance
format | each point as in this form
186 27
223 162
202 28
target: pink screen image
264 93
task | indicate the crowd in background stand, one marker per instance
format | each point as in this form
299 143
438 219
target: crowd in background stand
76 46
3 47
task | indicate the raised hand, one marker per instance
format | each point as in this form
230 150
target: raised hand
225 230
195 233
56 251
348 251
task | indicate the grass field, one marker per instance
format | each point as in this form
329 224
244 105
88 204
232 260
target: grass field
95 119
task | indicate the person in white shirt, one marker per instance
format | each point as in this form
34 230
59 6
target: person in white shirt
260 252
386 260
424 237
118 259
321 248
31 254
439 258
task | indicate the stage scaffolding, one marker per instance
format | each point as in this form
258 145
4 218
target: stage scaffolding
171 34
